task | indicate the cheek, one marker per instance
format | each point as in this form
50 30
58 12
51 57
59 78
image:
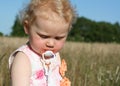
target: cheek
60 45
38 44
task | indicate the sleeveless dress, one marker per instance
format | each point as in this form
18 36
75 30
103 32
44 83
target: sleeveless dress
38 75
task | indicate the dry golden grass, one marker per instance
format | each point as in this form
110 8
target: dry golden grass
7 46
89 64
93 64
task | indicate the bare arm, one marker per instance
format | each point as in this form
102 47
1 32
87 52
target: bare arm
21 70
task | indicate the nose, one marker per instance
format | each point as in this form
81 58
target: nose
50 43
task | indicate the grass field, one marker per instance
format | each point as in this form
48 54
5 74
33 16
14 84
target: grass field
89 64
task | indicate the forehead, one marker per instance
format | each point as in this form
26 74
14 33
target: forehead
57 24
48 14
50 18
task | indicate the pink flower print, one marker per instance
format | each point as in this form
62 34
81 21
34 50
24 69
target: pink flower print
40 74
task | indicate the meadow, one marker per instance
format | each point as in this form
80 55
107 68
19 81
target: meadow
89 64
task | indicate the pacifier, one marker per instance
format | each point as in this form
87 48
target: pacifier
48 55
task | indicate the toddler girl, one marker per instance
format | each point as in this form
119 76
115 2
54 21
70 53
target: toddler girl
37 63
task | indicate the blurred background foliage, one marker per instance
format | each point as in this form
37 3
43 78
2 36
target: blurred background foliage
84 30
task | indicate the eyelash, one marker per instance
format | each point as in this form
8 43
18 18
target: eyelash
45 37
59 38
42 36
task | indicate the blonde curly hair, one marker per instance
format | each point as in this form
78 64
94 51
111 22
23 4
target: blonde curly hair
62 8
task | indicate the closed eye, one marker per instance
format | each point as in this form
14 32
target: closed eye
43 36
59 38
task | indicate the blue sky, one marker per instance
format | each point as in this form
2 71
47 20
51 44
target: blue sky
97 10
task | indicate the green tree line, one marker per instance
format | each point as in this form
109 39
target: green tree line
1 34
90 31
84 30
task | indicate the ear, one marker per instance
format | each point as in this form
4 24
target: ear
26 26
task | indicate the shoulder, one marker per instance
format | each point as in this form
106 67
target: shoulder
17 54
21 64
20 57
20 69
20 60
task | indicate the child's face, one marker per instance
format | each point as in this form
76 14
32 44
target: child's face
47 35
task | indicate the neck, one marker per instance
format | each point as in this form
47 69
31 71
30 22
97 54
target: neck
33 49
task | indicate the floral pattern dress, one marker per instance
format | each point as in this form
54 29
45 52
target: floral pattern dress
38 76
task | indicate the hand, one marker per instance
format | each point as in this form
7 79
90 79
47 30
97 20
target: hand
63 68
65 82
